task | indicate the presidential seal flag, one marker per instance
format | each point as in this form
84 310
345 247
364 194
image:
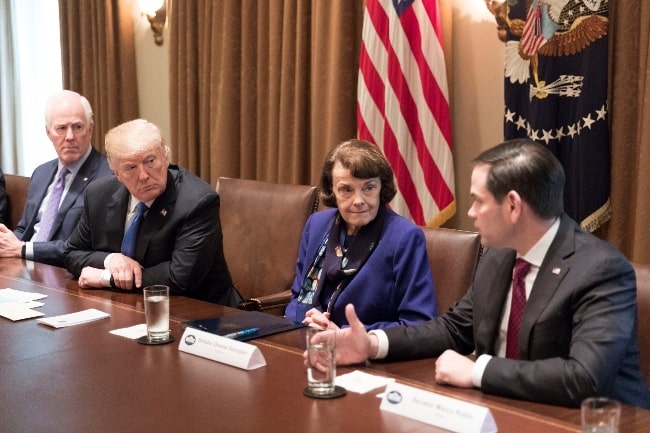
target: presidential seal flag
556 92
403 104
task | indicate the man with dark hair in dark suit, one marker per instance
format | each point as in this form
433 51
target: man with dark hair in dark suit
577 331
55 195
152 223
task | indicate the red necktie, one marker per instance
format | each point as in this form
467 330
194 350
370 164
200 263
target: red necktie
516 307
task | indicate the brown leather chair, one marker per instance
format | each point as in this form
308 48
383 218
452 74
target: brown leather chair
643 302
17 194
453 255
262 225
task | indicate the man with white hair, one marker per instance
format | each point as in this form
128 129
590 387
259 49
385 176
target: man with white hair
55 196
153 223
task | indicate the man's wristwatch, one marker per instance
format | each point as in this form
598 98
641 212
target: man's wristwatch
105 278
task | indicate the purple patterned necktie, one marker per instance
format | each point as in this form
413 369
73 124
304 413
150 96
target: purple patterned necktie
49 215
516 308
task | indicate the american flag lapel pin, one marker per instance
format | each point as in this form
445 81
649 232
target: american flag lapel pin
163 212
556 271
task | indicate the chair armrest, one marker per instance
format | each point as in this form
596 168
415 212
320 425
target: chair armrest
274 303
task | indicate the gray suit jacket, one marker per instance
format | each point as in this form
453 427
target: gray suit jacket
180 243
578 335
51 252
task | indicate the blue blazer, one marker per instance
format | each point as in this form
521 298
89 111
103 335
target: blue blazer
51 251
578 335
394 286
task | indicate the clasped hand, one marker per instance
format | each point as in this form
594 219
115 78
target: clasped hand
318 319
126 273
10 245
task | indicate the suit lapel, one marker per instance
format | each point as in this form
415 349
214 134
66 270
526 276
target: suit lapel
551 273
38 189
116 210
159 213
85 174
490 300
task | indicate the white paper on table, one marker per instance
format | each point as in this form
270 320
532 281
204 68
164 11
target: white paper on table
77 318
360 382
20 310
11 295
133 332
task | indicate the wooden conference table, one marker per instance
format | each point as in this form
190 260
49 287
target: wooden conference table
84 379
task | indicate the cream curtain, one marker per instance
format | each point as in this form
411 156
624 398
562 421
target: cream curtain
98 59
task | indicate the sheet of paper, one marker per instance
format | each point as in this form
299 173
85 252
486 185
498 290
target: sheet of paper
20 310
12 295
133 332
17 304
361 382
77 318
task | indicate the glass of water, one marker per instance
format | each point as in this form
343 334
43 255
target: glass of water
156 311
600 415
321 362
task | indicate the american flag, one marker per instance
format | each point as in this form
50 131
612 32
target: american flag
532 37
402 104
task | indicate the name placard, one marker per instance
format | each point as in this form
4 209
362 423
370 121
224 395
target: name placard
438 410
221 349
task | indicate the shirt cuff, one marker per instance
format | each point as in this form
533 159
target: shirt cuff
105 278
108 259
382 341
29 251
479 368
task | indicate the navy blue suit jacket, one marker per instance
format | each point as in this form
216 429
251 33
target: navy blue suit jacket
51 251
180 243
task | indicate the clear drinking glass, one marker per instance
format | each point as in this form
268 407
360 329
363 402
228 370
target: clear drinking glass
600 415
321 368
156 311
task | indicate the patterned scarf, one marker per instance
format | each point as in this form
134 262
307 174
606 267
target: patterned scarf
338 259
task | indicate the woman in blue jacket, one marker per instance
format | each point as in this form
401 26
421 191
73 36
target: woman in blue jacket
361 252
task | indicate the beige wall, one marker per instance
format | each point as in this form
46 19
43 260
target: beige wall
476 94
476 87
152 64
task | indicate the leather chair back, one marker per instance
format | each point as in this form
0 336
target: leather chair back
453 255
643 302
16 187
262 225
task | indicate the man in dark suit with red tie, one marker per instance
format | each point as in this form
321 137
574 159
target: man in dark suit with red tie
55 196
578 331
152 223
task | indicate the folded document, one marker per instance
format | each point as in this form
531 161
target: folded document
77 318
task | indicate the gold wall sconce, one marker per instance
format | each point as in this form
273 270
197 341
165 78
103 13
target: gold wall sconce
156 12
